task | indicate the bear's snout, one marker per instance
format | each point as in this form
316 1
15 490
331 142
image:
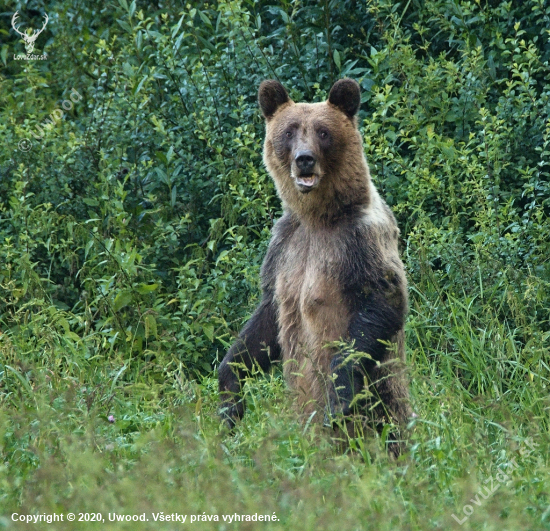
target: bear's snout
305 160
305 175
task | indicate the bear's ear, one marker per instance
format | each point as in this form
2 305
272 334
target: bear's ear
346 95
270 96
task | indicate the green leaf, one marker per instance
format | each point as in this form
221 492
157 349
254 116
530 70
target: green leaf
208 330
122 299
207 44
124 25
150 326
127 69
170 154
73 336
491 65
64 324
118 375
162 174
173 196
4 54
21 378
448 151
205 19
336 56
143 289
88 247
177 27
140 84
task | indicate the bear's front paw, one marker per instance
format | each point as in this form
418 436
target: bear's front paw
336 409
231 412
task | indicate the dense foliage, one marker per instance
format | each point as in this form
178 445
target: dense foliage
132 229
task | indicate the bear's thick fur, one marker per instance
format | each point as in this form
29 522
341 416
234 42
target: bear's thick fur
332 272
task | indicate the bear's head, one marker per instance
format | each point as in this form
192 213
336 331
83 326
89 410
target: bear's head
314 151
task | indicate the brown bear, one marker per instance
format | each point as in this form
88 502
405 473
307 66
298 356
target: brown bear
332 280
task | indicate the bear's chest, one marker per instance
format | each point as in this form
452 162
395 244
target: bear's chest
309 293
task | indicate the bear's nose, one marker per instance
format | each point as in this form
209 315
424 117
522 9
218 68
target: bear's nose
305 161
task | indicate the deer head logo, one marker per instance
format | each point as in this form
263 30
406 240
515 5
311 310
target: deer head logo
29 39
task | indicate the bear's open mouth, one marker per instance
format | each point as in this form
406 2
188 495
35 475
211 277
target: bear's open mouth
307 181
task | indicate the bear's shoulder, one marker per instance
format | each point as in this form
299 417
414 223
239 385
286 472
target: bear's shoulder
377 213
281 234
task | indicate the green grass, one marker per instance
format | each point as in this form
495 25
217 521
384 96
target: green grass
479 397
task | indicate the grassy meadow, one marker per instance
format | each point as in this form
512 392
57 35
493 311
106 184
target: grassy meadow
134 215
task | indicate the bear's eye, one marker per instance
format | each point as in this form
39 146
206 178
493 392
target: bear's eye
323 135
288 134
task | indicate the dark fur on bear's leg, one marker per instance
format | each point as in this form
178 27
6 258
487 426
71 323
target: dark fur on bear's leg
350 402
256 345
377 323
346 385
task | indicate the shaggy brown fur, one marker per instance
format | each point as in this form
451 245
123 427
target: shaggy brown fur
332 271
